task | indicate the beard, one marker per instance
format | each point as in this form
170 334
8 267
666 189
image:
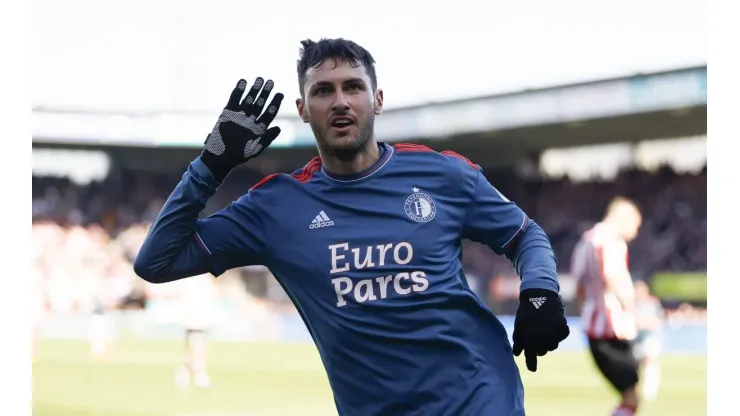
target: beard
347 151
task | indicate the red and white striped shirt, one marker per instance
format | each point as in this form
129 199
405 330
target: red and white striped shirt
600 265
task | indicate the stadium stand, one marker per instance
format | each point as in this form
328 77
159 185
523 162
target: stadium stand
87 236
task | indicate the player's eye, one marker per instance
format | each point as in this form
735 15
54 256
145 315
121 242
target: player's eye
354 87
321 90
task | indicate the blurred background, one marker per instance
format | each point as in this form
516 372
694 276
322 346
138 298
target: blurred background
564 104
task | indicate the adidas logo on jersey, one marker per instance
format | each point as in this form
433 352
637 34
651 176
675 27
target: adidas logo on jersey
537 302
321 220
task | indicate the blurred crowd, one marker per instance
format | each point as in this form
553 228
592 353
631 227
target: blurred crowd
685 313
86 237
673 236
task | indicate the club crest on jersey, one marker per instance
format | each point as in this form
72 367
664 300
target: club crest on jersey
420 207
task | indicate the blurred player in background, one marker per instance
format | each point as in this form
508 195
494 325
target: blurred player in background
607 294
38 306
648 343
198 301
100 325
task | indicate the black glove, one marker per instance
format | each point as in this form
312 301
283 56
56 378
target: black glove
241 133
540 324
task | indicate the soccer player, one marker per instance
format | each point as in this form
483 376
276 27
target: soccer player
648 342
100 325
198 300
366 240
607 294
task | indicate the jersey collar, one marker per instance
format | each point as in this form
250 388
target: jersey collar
386 153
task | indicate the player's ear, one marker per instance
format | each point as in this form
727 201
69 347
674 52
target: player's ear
300 105
378 101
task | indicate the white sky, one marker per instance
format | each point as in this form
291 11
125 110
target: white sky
188 54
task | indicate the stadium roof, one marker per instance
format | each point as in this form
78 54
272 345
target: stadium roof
657 105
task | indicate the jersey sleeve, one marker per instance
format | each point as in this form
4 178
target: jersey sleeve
234 236
491 218
615 269
180 245
614 260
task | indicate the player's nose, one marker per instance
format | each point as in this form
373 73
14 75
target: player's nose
340 104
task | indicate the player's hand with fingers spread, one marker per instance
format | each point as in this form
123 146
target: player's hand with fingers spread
540 324
241 132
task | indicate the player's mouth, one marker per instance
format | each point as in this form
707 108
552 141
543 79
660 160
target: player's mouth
341 123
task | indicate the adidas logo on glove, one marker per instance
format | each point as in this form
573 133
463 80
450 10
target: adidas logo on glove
537 302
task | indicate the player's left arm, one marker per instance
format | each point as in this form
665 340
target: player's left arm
495 221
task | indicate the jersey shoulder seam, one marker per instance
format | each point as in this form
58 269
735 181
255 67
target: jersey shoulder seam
411 147
419 148
461 157
302 176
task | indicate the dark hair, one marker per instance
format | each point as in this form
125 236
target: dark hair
313 54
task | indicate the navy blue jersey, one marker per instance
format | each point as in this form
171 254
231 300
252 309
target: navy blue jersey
372 264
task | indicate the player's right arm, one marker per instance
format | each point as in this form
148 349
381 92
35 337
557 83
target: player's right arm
617 277
180 244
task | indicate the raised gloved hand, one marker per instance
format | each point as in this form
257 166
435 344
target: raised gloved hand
241 132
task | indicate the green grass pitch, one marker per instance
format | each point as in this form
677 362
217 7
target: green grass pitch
137 379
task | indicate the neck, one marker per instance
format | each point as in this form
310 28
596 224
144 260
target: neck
610 221
613 223
358 162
